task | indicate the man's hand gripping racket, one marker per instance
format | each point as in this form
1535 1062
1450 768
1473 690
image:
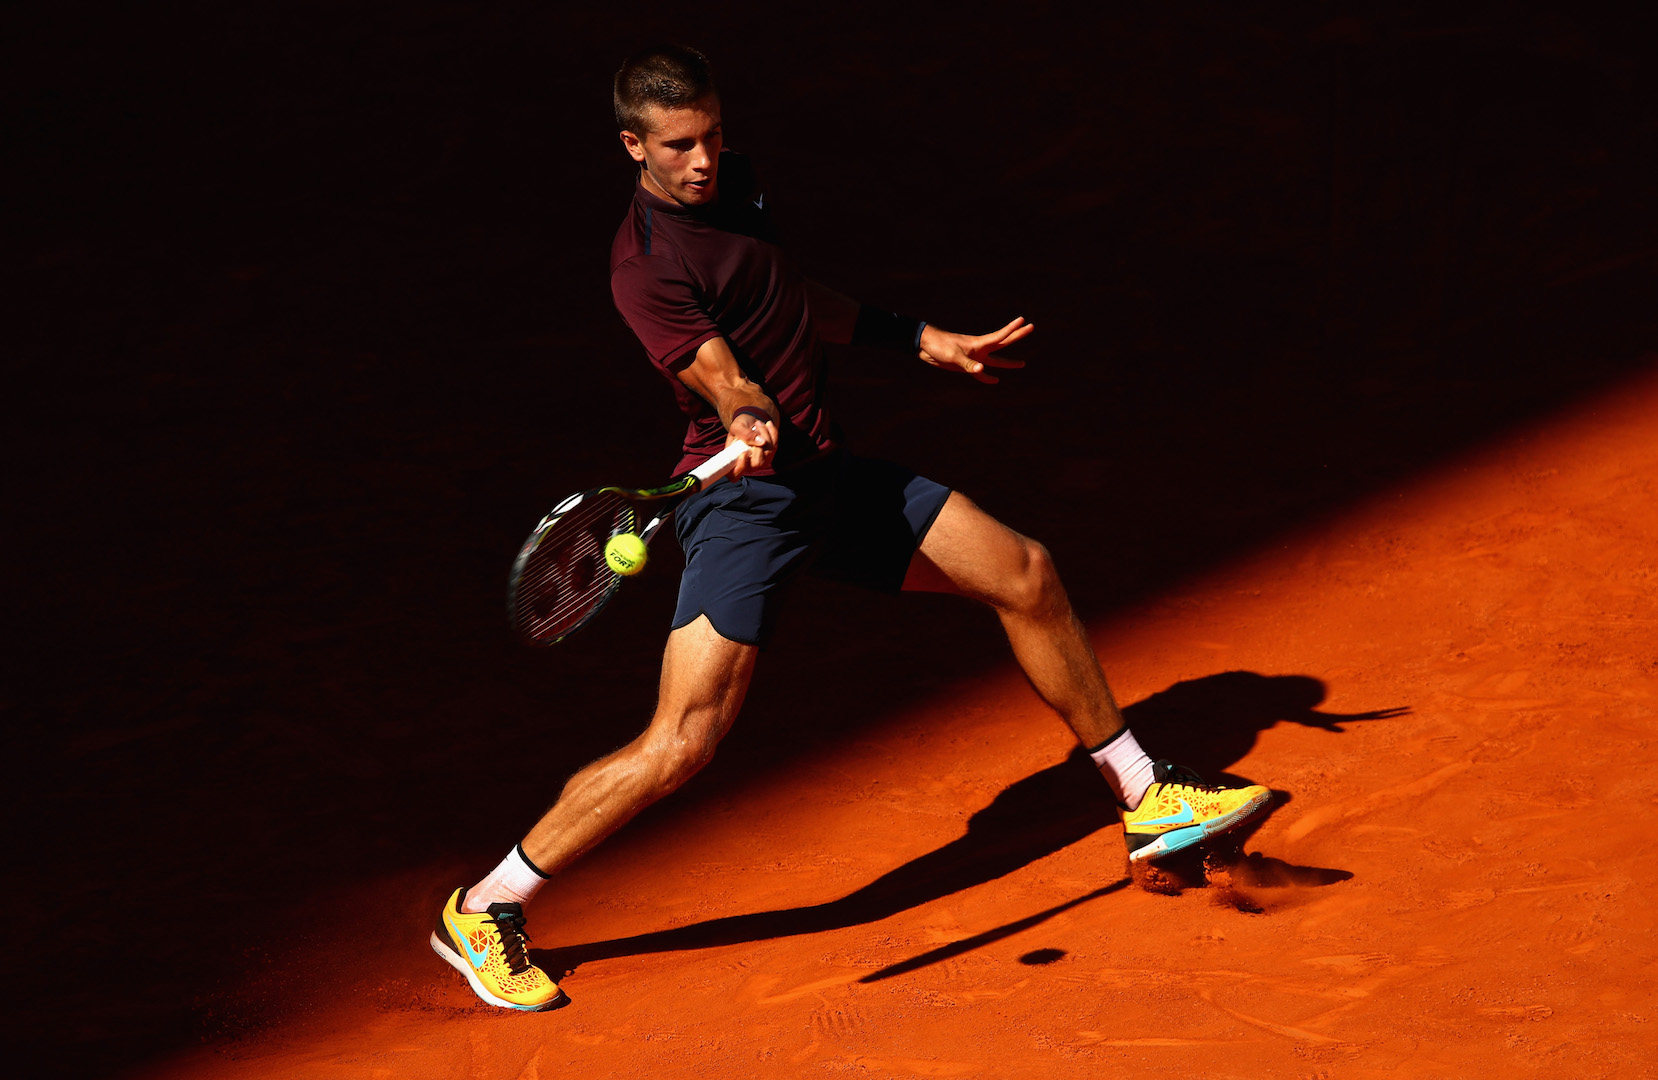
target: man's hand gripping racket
560 579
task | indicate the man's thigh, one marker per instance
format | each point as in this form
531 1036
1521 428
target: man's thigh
968 552
705 677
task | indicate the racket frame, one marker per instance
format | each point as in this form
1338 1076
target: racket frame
709 472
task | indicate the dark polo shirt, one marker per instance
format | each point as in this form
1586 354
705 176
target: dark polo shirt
681 276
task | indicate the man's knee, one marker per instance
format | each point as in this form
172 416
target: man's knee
678 749
1034 587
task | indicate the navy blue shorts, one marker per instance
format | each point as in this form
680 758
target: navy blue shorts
840 517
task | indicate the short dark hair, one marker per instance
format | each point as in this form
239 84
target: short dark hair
667 76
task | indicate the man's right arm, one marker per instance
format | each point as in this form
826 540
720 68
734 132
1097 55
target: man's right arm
747 412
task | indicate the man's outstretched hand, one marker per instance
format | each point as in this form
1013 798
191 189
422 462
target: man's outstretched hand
974 355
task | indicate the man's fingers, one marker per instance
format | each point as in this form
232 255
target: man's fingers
761 440
974 367
1021 333
1017 330
975 355
977 368
1012 332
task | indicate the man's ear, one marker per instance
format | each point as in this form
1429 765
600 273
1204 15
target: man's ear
634 145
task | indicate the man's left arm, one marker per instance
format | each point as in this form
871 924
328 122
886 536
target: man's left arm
833 313
841 320
974 355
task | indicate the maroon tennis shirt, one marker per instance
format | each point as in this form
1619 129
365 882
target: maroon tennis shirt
681 276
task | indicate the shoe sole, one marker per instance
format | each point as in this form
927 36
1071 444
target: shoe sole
1179 839
451 958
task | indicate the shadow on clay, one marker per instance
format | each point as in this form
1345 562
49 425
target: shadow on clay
1207 723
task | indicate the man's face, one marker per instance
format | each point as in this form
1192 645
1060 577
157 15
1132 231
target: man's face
680 151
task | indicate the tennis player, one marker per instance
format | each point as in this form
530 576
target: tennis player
739 335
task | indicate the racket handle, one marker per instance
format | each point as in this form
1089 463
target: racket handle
721 463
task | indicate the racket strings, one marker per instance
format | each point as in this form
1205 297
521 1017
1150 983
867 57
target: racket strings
565 577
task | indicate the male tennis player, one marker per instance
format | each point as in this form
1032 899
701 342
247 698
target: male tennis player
739 334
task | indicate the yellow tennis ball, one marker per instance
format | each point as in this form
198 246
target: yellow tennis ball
625 554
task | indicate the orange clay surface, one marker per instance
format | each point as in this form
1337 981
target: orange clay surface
1451 686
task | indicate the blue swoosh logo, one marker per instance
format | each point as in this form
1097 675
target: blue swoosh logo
476 959
1181 818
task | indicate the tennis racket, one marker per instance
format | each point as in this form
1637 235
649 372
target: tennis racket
560 579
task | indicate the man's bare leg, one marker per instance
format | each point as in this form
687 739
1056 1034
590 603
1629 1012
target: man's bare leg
480 931
704 679
1166 809
969 553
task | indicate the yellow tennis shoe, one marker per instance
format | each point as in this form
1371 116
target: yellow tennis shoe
489 949
1180 810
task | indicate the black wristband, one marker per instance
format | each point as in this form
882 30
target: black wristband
752 410
887 330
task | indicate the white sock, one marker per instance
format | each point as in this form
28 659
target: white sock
516 880
1125 767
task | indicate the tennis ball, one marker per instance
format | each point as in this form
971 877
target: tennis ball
625 554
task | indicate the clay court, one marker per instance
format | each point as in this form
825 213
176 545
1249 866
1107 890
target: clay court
1341 420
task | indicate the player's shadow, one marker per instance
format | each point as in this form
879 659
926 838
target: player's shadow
1207 723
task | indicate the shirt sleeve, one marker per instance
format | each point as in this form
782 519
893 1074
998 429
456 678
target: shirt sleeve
660 303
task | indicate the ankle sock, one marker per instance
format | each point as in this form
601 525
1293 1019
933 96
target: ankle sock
516 880
1125 767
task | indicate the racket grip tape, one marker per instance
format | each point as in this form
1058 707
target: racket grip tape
720 464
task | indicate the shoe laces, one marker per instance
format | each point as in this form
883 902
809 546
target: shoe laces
509 920
1166 772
